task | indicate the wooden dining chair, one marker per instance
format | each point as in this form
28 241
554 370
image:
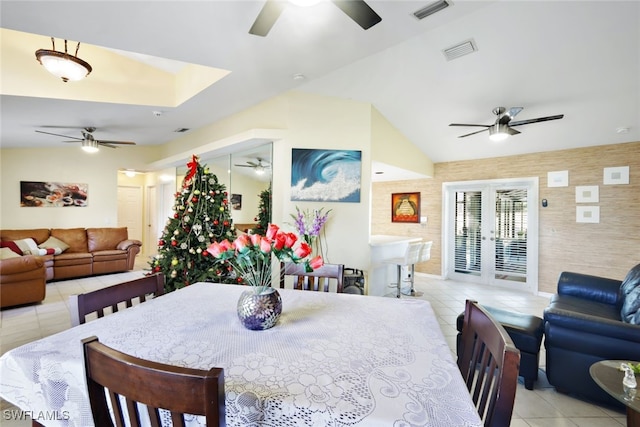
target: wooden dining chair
129 380
489 363
318 280
123 293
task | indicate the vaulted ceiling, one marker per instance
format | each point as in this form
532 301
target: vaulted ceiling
577 58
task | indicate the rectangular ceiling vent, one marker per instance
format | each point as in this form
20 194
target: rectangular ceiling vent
182 130
431 8
461 49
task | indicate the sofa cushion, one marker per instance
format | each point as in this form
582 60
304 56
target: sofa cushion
104 239
631 281
630 312
76 238
57 245
11 245
6 253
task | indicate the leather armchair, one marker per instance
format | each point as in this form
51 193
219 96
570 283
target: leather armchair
22 280
583 325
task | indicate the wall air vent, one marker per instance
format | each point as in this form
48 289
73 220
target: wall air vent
431 8
182 130
461 49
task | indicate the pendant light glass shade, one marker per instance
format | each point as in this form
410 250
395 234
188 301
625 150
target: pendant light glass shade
62 64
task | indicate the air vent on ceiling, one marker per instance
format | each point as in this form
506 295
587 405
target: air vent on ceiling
182 130
461 49
431 8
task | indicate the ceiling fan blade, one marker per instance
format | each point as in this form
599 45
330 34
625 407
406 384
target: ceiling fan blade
539 119
115 142
509 115
468 124
244 166
57 134
266 18
106 145
512 131
473 133
359 11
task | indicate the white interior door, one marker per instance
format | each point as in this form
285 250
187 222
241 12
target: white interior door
491 232
152 234
130 210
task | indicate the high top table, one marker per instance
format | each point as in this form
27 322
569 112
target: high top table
331 360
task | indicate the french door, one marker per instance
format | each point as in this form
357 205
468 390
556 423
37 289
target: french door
491 232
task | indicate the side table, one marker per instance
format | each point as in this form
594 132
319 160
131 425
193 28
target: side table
608 376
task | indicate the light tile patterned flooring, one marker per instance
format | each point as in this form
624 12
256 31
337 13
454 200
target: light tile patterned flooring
542 406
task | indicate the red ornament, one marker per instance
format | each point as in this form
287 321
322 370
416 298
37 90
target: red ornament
175 215
194 199
215 222
226 194
226 223
174 243
239 279
157 268
160 242
205 253
224 201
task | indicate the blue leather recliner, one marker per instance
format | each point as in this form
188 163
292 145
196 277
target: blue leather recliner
591 319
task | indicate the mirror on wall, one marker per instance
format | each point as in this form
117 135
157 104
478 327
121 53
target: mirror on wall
247 175
251 174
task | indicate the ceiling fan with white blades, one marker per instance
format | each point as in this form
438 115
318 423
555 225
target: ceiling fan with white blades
259 167
358 10
89 143
503 126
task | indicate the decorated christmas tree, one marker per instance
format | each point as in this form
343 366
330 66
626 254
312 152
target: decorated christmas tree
201 216
264 212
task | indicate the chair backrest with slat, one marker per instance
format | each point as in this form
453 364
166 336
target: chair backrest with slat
412 253
425 252
122 293
317 280
129 380
489 363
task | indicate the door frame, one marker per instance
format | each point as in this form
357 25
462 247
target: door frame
448 226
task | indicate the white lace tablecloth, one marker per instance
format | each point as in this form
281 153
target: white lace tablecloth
331 360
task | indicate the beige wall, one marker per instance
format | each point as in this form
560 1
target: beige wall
609 248
99 171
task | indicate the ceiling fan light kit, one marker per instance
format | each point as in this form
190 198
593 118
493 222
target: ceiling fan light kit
90 146
503 126
62 64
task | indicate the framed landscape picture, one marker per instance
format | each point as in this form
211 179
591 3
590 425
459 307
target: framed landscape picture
405 207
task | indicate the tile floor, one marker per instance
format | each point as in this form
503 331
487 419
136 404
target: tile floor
542 406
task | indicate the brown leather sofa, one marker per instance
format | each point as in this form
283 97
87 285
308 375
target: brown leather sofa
91 251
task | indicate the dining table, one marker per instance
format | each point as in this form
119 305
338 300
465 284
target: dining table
331 360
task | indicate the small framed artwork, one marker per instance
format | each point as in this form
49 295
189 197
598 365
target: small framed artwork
405 207
558 179
587 194
236 202
616 176
588 214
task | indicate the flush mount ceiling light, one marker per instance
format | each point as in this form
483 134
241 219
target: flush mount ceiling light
62 64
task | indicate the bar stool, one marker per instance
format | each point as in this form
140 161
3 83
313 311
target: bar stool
425 255
411 257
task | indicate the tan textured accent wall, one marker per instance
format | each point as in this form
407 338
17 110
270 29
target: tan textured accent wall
609 248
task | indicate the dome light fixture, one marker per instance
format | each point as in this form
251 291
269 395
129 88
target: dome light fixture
62 64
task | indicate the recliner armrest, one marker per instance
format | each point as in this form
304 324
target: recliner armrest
126 244
592 324
593 288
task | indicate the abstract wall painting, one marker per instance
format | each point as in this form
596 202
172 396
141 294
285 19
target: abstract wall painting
405 207
325 175
52 194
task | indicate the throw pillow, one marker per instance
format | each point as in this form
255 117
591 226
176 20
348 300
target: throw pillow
27 246
54 244
631 281
11 245
6 253
630 312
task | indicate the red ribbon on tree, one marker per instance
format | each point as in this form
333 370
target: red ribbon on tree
193 168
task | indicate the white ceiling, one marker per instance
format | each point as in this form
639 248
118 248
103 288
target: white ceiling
577 58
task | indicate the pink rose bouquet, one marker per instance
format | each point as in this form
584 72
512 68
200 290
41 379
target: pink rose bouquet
250 255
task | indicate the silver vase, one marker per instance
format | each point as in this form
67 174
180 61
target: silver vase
259 311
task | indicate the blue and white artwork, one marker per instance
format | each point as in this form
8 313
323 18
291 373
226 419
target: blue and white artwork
325 175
